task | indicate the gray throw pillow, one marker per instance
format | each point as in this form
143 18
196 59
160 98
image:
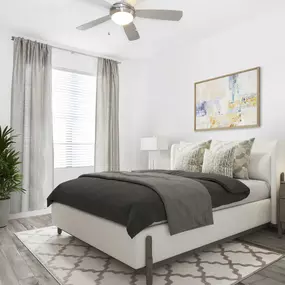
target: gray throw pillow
189 156
242 155
220 162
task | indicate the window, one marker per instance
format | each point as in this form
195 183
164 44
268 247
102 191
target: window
73 118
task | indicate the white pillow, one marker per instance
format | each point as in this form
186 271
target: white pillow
260 167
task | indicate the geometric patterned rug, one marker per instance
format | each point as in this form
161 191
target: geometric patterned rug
73 262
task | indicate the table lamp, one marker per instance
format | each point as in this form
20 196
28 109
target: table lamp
153 145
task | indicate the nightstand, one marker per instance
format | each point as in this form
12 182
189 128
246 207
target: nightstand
281 206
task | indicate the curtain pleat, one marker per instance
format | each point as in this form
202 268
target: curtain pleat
31 118
107 116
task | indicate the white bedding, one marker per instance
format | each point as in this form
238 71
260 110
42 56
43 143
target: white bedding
259 190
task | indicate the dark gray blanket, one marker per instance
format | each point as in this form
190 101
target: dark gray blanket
135 205
187 202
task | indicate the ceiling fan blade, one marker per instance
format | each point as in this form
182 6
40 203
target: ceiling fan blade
131 32
94 23
169 15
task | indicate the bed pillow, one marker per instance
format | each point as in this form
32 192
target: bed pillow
260 167
190 156
220 162
242 155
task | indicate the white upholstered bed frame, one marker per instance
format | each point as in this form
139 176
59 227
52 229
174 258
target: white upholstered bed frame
114 240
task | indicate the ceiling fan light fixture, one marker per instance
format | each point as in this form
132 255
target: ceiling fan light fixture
122 18
122 13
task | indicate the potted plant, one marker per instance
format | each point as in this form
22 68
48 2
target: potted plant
10 176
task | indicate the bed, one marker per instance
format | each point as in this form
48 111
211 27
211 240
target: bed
155 245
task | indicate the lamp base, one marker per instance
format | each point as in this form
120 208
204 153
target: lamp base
153 158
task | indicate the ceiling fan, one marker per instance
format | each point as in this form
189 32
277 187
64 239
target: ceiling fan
123 13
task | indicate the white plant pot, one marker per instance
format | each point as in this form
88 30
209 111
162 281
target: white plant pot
4 212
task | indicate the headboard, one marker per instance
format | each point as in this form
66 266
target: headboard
267 163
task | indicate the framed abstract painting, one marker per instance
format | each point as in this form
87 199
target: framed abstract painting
228 102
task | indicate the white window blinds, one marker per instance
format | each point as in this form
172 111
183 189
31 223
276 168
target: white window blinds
73 118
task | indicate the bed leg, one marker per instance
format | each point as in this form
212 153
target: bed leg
59 231
148 260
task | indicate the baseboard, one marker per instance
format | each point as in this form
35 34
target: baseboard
30 214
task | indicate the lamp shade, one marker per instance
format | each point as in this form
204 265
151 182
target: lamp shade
154 143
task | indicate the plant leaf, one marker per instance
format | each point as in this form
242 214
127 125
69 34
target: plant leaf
10 175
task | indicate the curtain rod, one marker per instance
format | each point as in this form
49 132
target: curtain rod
72 51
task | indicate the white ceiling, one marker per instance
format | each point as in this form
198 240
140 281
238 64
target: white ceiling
54 21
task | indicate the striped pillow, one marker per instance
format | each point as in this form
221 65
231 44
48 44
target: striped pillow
189 157
220 162
242 155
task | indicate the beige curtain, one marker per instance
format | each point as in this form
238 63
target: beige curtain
31 118
107 117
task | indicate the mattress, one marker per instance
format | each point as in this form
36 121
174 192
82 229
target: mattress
259 190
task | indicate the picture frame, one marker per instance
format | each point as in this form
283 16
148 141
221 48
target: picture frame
230 101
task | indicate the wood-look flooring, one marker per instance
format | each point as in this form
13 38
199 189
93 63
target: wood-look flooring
19 267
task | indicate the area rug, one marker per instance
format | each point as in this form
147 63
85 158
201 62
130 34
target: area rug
73 262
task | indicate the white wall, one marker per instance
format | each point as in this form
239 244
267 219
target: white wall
171 77
74 61
134 123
